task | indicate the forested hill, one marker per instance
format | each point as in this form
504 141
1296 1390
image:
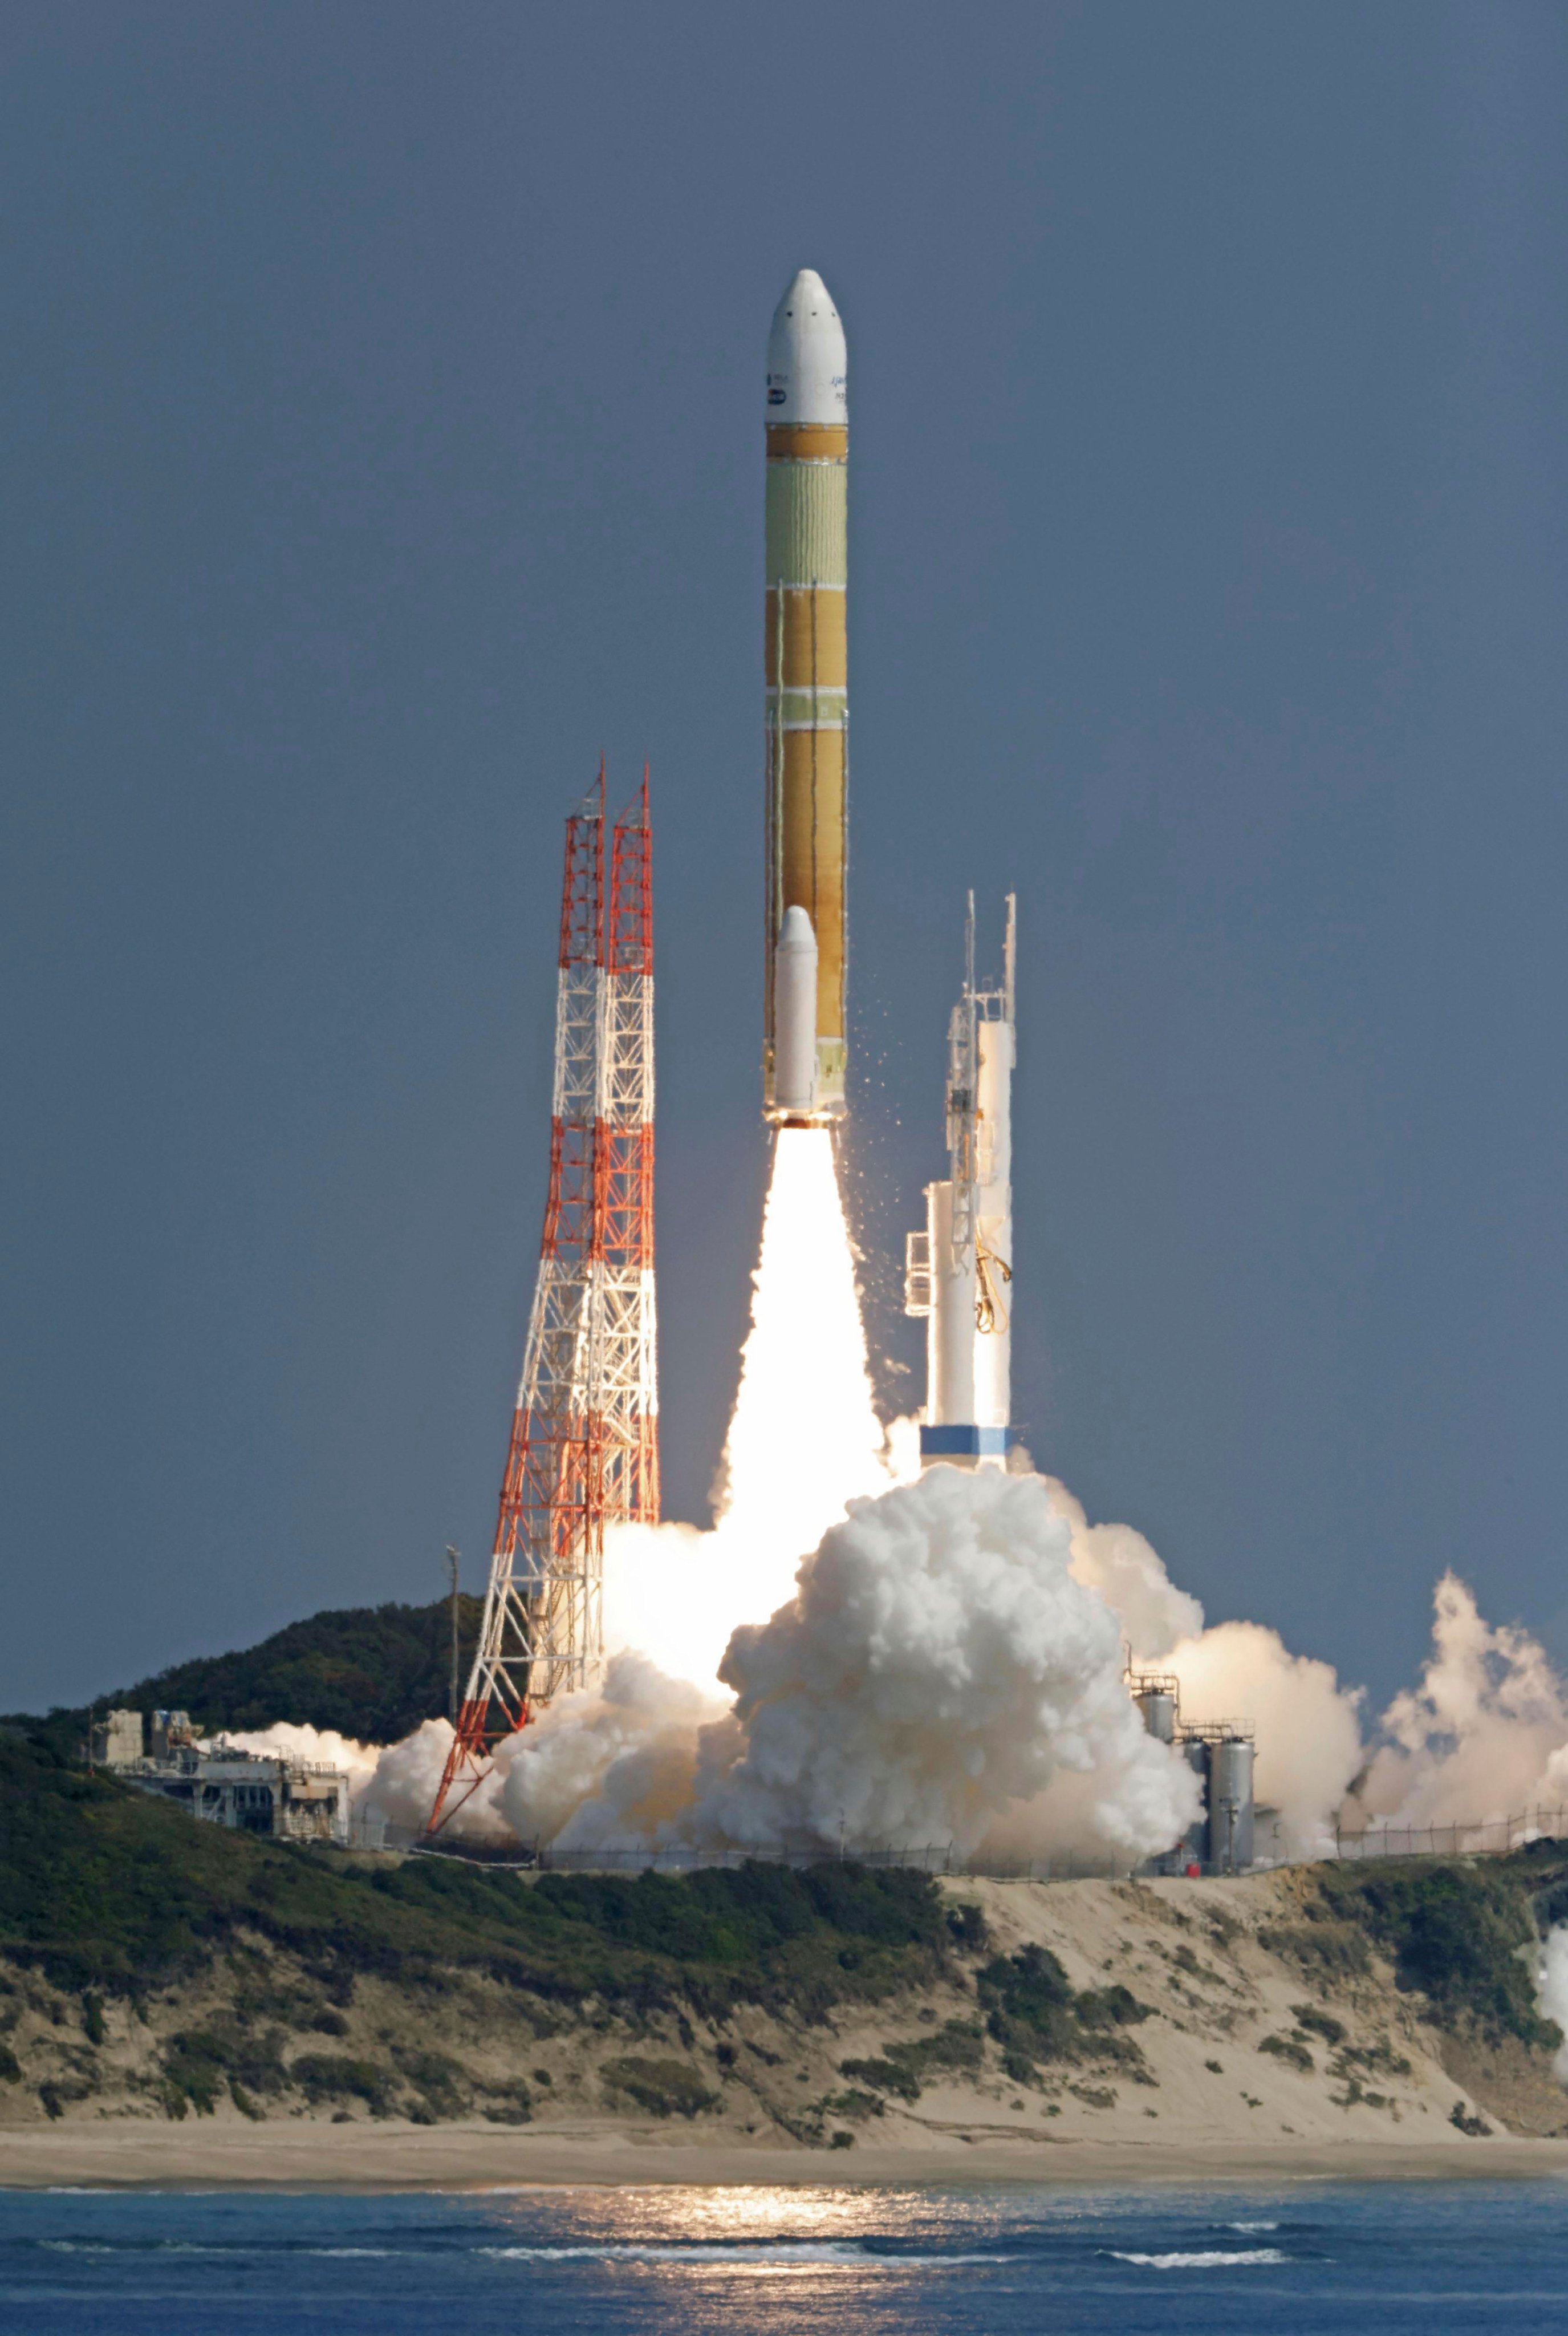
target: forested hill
373 1672
152 1966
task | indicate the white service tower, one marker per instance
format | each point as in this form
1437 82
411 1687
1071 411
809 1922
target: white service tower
958 1271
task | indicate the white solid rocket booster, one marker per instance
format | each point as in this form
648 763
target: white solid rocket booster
794 1075
959 1271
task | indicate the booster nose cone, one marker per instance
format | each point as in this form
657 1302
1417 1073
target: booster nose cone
807 362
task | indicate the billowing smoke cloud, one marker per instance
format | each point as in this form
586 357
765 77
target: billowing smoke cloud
1307 1727
285 1741
407 1775
936 1668
939 1677
947 1671
326 1746
1552 1992
612 1768
1485 1736
1308 1732
1123 1569
943 1664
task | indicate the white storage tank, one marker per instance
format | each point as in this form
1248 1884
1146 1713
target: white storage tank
1229 1801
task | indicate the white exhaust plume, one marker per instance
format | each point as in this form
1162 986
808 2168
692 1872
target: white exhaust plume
943 1664
1308 1725
804 1440
393 1781
1483 1736
939 1679
402 1789
1552 1992
285 1741
1309 1731
1125 1568
936 1668
612 1766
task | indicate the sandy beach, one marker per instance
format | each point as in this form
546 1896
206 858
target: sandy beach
1245 2060
399 2156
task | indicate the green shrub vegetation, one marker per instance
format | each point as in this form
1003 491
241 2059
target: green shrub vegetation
1455 1932
1035 2014
114 1897
199 2063
370 1671
340 2077
852 2104
902 2069
1323 1949
373 1672
663 2088
110 1893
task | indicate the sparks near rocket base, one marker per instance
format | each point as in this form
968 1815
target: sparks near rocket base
807 664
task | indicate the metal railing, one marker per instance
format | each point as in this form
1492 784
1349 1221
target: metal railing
931 1857
1491 1837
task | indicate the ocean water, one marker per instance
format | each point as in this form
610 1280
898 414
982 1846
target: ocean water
1384 2256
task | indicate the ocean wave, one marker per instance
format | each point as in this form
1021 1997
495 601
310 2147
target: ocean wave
783 2253
1199 2258
194 2247
776 2253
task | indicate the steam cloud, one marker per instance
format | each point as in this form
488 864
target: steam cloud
856 1652
936 1669
1484 1734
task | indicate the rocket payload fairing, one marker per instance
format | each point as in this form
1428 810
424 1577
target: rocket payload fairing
807 535
959 1270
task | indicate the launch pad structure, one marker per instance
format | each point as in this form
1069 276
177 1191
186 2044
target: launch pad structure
956 1267
584 1447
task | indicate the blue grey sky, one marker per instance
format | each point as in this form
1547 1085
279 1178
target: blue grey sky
383 441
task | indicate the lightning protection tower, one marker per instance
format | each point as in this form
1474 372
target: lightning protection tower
584 1449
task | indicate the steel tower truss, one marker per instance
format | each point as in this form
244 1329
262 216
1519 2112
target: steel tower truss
584 1449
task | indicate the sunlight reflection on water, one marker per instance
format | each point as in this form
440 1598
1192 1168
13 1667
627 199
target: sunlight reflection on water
826 2261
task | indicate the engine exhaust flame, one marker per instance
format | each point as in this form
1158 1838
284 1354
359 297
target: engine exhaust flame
804 1439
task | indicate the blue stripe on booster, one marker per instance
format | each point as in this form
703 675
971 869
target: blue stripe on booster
963 1443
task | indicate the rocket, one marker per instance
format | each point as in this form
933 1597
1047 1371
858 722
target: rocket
807 734
959 1271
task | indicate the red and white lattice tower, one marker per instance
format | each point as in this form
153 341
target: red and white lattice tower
584 1451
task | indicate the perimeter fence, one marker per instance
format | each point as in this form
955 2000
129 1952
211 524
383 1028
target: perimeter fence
932 1857
1494 1837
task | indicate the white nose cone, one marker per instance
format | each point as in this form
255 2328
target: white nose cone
795 1014
807 363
